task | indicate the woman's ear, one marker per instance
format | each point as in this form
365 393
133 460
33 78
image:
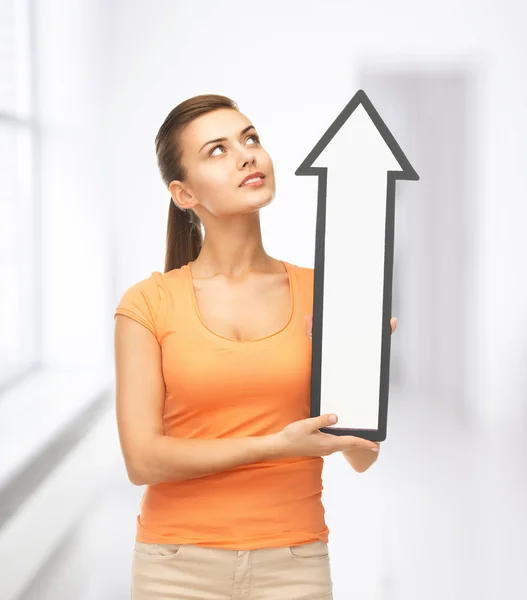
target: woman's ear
180 195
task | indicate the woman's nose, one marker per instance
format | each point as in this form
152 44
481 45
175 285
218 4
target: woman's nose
247 157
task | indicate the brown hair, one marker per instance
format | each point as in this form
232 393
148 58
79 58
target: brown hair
184 235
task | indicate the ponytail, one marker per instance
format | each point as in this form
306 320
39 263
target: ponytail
184 237
184 228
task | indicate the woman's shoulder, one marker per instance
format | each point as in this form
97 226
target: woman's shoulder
159 279
155 286
146 285
147 299
304 279
305 272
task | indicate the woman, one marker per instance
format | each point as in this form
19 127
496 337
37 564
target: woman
213 361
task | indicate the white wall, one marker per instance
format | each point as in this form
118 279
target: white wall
71 52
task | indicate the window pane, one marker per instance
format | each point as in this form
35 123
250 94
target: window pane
17 238
15 74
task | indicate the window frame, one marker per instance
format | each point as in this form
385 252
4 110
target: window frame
30 123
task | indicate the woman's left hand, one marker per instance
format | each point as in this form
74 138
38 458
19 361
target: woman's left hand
365 459
309 325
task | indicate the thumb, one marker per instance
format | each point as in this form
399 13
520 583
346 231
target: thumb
326 420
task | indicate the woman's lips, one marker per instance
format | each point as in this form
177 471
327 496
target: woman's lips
257 183
252 175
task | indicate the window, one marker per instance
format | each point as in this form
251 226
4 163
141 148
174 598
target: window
18 202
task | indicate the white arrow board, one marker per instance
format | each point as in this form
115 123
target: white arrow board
357 162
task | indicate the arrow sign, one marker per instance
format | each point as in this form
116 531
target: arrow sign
357 162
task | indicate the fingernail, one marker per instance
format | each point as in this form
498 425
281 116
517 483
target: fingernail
333 419
374 449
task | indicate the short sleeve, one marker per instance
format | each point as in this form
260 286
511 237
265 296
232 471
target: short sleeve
141 302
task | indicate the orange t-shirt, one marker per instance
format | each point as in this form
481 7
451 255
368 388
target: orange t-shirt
222 388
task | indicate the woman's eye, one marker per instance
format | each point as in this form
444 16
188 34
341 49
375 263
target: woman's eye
215 148
255 137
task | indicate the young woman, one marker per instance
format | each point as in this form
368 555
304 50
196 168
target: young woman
213 361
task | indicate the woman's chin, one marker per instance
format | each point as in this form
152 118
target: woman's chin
255 204
265 200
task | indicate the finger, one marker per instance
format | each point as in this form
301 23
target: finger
355 443
314 423
393 323
309 325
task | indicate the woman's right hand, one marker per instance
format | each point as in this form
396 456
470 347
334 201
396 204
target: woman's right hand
303 438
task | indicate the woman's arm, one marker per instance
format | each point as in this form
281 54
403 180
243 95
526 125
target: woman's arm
151 456
168 458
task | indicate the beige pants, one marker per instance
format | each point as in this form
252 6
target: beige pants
187 572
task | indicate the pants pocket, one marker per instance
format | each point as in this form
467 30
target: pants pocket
311 550
157 551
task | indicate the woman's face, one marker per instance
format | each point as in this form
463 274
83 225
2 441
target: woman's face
216 169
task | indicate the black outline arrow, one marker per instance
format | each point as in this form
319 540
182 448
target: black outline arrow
407 173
